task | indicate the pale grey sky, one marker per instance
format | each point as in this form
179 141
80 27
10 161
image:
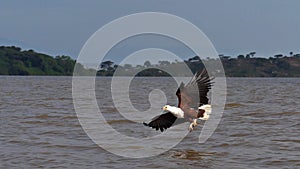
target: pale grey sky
61 27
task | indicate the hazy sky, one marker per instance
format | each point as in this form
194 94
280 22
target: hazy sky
61 27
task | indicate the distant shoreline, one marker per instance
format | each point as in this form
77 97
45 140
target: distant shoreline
17 62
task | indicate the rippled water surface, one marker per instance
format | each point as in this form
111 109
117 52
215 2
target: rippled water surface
260 127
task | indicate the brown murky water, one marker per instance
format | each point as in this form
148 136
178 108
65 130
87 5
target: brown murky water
260 127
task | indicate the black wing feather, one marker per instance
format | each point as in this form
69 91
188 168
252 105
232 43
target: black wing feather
162 122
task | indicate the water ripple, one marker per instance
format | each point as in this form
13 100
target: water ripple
39 127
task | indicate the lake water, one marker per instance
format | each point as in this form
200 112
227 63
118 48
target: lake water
260 127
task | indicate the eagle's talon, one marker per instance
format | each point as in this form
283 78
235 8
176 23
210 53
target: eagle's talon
191 127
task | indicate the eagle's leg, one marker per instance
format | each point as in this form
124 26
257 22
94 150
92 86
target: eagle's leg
193 124
192 116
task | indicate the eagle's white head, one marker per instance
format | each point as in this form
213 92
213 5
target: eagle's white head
166 108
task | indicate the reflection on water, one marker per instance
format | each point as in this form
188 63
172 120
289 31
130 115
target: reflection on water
39 128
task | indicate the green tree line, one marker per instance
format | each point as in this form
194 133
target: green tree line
15 61
241 66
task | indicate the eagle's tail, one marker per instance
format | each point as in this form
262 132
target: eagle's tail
206 109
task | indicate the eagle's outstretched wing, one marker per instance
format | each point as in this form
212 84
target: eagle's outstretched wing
194 93
162 122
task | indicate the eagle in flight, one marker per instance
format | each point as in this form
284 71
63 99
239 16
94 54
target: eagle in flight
192 104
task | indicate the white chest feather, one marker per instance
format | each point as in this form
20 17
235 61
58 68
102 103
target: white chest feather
177 112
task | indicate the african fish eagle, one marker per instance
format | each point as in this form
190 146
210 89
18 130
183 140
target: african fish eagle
192 104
